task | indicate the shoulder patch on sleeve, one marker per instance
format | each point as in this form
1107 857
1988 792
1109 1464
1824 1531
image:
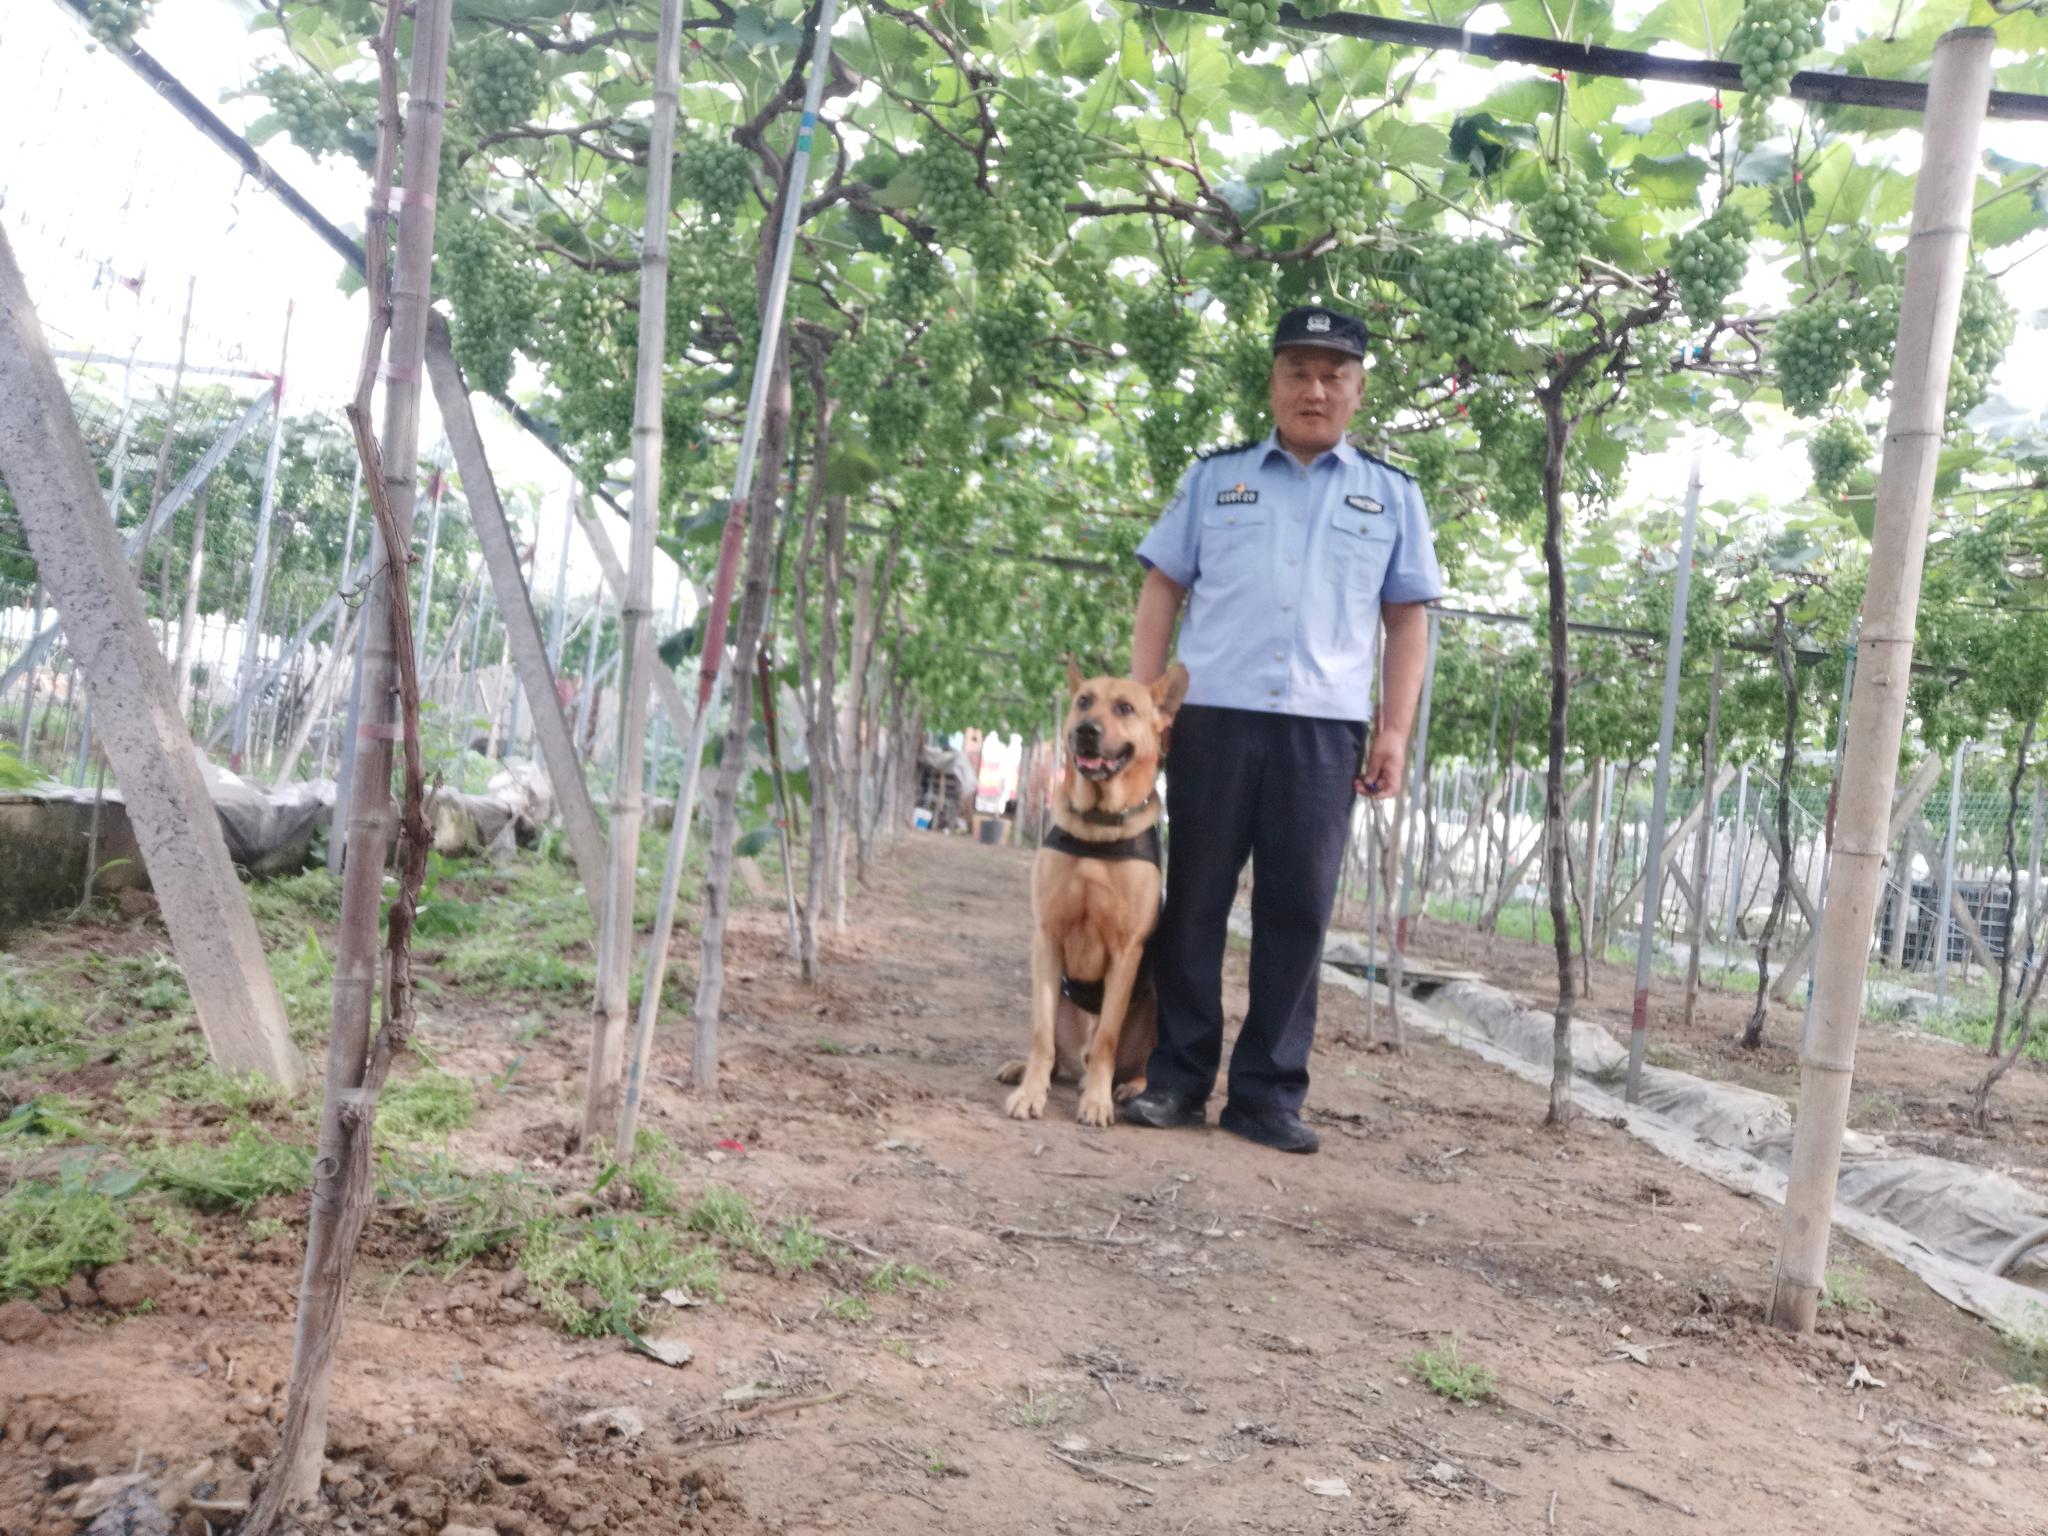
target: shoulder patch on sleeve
1217 453
1383 464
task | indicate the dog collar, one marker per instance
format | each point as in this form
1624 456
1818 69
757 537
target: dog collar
1145 845
1095 818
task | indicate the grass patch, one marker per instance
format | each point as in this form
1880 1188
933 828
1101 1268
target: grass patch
292 903
893 1279
32 1028
596 1277
428 1104
797 1249
50 1230
850 1309
1972 1027
242 1094
1449 1377
47 1117
1843 1292
470 1214
724 1214
237 1174
305 980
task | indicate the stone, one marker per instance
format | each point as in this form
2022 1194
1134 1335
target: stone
467 1530
98 1496
615 1423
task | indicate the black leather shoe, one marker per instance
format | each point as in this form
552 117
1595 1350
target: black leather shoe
1279 1129
1164 1111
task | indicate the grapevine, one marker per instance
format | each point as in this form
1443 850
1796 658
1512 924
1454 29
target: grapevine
1342 192
1709 262
1248 377
115 22
1465 293
861 367
1984 327
1873 333
916 279
1565 220
1252 23
951 183
1814 350
1007 333
714 174
1159 333
1245 290
315 120
493 294
502 83
1044 165
1836 451
1769 40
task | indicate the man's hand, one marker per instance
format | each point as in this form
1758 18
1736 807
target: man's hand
1384 766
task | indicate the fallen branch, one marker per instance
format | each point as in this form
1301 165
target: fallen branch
1655 1498
787 1405
1101 1474
847 1242
1087 1238
1451 1461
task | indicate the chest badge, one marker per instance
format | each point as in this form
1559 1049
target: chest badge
1363 504
1236 496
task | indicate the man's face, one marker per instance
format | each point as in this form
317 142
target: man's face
1316 392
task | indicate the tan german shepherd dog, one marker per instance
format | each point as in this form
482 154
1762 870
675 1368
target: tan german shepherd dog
1095 899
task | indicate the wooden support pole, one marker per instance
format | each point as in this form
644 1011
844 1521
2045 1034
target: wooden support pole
1937 254
56 491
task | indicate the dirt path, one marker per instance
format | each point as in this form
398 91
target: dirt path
1159 1332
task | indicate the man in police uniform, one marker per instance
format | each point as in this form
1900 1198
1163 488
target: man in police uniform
1291 553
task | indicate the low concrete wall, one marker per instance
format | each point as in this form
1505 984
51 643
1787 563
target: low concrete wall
44 837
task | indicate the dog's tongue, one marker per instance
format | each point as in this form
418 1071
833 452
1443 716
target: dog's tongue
1092 762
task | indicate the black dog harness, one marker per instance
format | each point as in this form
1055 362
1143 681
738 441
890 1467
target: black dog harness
1146 845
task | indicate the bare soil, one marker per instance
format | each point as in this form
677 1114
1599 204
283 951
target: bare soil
1912 1088
1151 1331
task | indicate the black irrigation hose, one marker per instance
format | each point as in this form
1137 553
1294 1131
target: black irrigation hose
2018 1249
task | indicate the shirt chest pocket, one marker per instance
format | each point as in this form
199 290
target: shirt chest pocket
1233 544
1357 547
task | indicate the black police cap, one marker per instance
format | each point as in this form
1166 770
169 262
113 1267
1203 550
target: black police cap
1310 325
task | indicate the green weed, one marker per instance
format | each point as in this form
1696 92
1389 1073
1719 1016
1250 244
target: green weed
1972 1026
1449 1377
724 1213
618 1262
264 1228
305 980
830 1048
1841 1292
430 1103
31 1027
472 1214
240 1093
798 1249
249 1166
50 1230
893 1278
291 903
174 1225
850 1309
1037 1411
46 1117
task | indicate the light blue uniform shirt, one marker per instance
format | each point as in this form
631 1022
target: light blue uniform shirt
1286 568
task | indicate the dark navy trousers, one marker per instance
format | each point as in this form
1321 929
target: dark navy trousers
1275 789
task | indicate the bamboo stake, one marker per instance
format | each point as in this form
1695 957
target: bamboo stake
259 562
636 609
1703 850
771 374
163 455
1653 888
1936 254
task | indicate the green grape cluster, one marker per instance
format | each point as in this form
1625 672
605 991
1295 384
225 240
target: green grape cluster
949 349
589 360
1245 289
917 278
493 292
1315 10
1465 292
952 197
1248 376
1008 334
501 81
1873 334
1709 261
1984 327
1769 39
1174 428
861 367
896 419
1159 333
999 246
1837 449
1342 192
715 174
1043 167
318 120
1565 221
1252 23
115 22
1511 449
1814 349
1431 459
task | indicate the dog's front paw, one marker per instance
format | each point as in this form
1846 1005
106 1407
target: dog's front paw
1097 1108
1011 1072
1026 1103
1129 1089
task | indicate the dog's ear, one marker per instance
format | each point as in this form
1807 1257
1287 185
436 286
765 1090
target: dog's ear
1168 692
1073 677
